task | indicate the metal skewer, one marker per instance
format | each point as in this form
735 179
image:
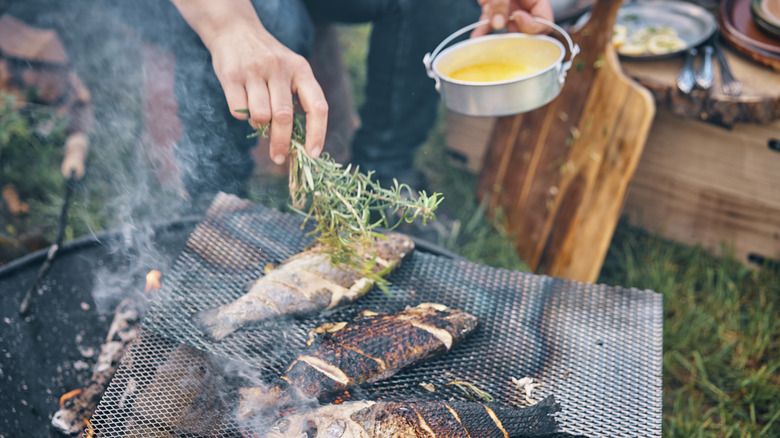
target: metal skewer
47 264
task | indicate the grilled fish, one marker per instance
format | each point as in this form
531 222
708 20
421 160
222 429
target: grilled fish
372 347
429 419
305 283
177 385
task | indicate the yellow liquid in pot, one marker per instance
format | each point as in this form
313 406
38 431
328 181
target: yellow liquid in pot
490 72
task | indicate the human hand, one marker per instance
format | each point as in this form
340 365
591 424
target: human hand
515 15
259 74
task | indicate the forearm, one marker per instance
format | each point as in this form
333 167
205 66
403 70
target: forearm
209 18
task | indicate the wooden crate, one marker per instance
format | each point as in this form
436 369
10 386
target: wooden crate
701 184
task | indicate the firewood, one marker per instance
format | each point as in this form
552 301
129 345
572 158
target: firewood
71 418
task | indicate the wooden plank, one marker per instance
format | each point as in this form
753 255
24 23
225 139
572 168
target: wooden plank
560 173
700 184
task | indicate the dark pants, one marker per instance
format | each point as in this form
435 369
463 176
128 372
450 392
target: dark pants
400 100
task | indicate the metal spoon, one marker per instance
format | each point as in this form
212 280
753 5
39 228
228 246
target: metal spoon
705 75
685 79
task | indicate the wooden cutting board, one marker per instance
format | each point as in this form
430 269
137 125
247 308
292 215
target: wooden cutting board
559 174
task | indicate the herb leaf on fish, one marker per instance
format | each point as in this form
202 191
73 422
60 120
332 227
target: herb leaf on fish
472 390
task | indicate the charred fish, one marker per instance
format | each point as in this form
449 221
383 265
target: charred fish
372 347
306 283
427 419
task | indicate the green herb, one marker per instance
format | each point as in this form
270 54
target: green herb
346 205
472 390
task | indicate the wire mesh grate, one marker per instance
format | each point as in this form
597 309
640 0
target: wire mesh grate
596 348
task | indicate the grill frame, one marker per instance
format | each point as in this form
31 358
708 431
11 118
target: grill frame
596 348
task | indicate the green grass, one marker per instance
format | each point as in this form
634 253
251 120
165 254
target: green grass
721 334
721 325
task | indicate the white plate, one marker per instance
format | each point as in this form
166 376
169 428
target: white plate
693 24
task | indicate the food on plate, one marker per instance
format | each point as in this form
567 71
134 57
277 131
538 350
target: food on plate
306 283
652 40
386 419
372 347
661 44
619 35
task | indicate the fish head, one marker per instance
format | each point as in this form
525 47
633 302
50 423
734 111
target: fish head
329 421
455 321
393 246
387 419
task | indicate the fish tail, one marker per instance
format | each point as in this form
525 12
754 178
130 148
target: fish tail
215 325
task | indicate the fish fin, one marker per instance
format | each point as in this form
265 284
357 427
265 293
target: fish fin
214 325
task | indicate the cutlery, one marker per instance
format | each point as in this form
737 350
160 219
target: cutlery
705 75
685 79
729 84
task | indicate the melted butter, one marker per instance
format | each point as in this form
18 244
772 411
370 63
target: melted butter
491 72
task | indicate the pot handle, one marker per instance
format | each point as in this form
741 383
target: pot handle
429 57
574 49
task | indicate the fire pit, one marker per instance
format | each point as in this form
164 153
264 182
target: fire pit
51 350
596 348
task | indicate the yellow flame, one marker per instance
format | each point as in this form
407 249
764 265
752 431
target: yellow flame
153 280
69 395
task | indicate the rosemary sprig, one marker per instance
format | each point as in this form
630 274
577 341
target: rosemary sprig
346 205
472 390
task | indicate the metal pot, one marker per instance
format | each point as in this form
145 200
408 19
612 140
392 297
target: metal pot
499 98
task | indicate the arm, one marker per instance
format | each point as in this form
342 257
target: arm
515 15
257 72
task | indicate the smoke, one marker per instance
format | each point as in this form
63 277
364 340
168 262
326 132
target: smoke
133 180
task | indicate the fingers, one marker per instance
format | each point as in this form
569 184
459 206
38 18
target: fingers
282 115
272 101
259 74
313 102
259 102
523 16
514 15
524 22
236 98
496 12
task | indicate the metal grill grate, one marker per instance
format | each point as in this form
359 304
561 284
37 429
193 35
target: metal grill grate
596 348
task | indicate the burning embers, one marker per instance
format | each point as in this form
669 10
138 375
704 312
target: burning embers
76 410
78 405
